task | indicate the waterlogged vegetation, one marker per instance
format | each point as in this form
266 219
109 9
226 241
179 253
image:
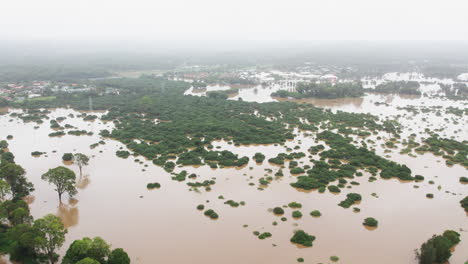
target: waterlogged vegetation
211 137
323 90
401 87
371 222
438 248
302 238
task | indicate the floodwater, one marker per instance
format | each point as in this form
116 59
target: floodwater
164 226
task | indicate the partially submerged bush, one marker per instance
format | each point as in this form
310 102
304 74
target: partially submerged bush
370 221
278 210
211 214
302 238
153 185
315 213
67 157
296 214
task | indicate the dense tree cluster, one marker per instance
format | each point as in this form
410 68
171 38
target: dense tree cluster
438 248
302 238
95 250
401 87
451 150
351 198
323 90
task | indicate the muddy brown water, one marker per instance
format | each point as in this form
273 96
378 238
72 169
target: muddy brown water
163 225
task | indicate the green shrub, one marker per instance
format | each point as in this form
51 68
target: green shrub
122 154
153 185
464 203
278 210
67 157
295 205
334 189
264 235
316 213
370 221
419 178
259 157
351 198
200 207
438 248
302 238
296 214
211 214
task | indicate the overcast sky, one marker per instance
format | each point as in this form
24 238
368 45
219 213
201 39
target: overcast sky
235 19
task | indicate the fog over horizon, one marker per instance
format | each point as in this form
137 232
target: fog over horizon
241 22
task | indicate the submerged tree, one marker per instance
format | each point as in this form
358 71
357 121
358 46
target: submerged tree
81 160
14 175
52 235
63 179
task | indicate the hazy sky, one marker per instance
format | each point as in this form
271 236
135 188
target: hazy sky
235 19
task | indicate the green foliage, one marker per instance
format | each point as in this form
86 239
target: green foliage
334 189
14 175
51 235
302 238
200 207
297 170
264 235
295 205
351 198
63 179
323 90
259 157
5 189
67 157
437 249
87 261
232 203
296 214
122 154
370 221
278 211
316 213
464 203
96 249
153 185
118 256
453 151
334 258
211 214
81 160
401 87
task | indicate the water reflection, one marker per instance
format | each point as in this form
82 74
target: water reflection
83 182
69 213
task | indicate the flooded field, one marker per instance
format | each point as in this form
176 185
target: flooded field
164 226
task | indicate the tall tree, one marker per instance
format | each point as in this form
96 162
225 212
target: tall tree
63 179
14 175
81 160
52 235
